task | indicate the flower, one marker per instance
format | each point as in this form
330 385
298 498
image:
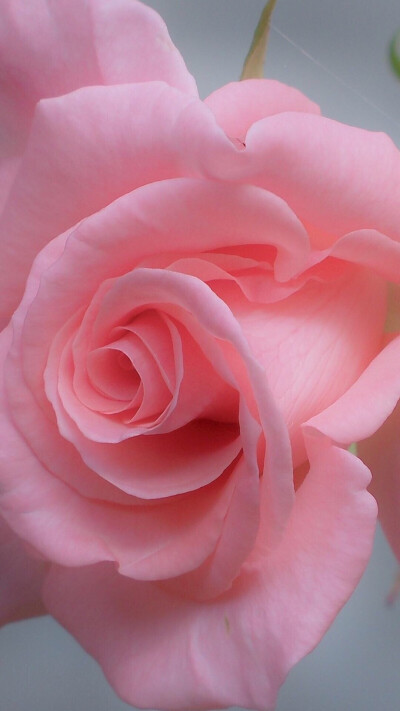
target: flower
200 338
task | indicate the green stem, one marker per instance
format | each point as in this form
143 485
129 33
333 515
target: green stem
253 67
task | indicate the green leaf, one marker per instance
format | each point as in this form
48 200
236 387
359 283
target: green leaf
394 53
253 67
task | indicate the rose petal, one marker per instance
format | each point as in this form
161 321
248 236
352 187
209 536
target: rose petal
51 49
191 216
65 527
194 297
135 548
163 465
237 649
8 169
89 260
47 50
363 409
151 331
381 453
149 542
132 123
315 343
236 106
255 279
199 391
371 249
218 321
335 177
234 545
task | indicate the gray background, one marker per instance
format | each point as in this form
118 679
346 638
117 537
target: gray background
336 52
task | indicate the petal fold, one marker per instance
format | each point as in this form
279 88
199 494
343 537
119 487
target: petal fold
236 106
336 178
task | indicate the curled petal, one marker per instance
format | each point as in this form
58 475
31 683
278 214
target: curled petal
371 249
336 178
238 105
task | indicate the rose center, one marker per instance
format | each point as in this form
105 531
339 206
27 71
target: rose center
112 374
124 362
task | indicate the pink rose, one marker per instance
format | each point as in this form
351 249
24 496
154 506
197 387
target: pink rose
199 340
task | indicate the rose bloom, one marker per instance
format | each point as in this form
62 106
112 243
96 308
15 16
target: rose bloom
198 294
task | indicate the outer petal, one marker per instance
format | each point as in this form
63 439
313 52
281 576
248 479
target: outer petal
238 105
367 413
132 44
50 48
381 453
21 579
115 139
159 650
371 249
336 178
363 409
316 343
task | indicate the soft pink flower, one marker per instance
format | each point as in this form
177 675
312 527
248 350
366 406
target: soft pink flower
200 338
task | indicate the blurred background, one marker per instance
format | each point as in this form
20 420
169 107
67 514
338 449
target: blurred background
338 54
